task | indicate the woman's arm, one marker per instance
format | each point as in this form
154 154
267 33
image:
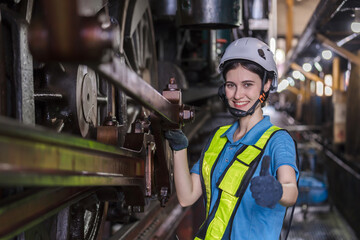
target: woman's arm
188 186
287 177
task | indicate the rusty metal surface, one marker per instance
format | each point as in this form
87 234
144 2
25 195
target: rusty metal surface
29 209
34 156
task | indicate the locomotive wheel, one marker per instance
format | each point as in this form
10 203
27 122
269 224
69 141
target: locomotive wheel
139 42
137 49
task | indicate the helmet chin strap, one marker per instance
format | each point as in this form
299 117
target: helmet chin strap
240 113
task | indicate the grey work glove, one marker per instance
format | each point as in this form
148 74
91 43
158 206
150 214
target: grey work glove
177 139
265 189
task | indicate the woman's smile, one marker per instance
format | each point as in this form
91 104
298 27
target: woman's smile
240 104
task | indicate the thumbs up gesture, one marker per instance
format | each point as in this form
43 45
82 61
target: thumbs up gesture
265 189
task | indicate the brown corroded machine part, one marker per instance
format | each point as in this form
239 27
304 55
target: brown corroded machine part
108 133
65 36
173 94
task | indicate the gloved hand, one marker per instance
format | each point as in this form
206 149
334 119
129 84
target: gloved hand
265 189
177 139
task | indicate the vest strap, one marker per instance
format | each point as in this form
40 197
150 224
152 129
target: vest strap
211 155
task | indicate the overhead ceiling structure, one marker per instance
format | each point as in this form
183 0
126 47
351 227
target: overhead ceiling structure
331 27
302 11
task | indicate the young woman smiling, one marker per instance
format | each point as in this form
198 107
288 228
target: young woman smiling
247 172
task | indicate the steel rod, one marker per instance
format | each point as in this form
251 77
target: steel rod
135 87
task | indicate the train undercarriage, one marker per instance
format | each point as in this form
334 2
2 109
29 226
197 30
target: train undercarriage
82 120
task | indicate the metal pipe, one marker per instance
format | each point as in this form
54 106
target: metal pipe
47 96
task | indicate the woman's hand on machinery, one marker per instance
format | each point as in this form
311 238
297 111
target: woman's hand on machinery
265 189
177 139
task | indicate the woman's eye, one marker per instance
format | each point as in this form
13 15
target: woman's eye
229 85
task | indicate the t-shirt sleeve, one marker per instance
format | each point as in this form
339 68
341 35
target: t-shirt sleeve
283 151
196 168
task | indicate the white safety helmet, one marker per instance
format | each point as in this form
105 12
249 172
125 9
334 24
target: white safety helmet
252 49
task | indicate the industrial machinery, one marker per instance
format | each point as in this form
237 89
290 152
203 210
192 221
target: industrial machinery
86 90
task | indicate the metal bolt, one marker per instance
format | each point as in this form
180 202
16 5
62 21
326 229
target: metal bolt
187 114
172 86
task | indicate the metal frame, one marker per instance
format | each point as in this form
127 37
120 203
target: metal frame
23 66
34 157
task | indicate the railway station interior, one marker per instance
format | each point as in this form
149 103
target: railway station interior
89 89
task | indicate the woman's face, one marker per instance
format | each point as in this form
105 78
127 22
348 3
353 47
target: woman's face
243 88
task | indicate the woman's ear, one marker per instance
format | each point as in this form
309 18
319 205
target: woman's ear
267 85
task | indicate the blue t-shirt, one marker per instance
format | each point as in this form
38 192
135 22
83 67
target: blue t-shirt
252 221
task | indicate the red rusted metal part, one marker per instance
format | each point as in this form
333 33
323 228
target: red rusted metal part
65 36
31 208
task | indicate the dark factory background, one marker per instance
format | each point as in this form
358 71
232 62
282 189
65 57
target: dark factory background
88 87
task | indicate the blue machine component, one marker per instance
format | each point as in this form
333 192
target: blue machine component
312 191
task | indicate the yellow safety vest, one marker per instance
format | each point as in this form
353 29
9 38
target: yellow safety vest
232 183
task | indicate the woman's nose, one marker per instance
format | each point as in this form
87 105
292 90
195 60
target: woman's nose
238 92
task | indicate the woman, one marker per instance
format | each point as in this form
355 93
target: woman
245 193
